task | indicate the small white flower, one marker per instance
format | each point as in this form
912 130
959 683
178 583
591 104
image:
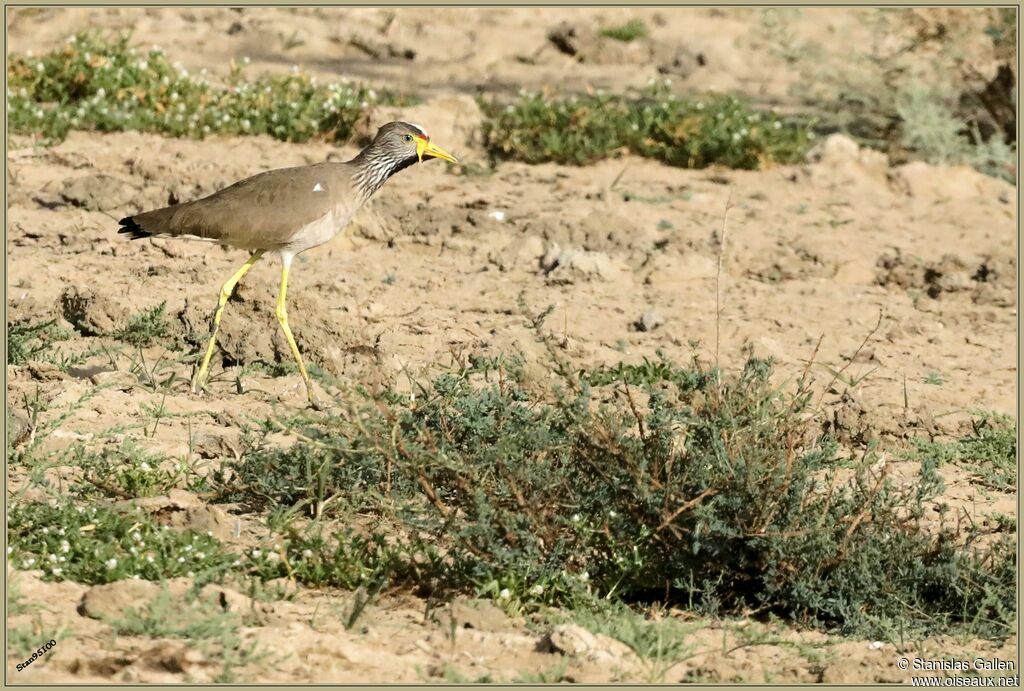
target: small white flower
504 594
584 576
273 556
200 555
190 574
245 60
497 215
144 466
181 560
576 518
307 553
65 546
40 66
876 645
612 514
111 564
149 558
256 554
537 590
57 571
135 576
52 558
28 563
777 125
101 92
9 550
143 65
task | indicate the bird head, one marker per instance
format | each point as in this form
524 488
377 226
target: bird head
407 142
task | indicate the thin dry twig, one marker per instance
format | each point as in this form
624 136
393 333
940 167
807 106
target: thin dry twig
718 277
850 360
685 507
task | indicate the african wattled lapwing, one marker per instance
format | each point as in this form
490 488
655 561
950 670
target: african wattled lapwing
286 211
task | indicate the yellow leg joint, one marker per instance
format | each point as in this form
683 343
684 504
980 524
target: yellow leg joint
225 293
282 318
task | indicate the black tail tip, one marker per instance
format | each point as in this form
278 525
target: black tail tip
132 229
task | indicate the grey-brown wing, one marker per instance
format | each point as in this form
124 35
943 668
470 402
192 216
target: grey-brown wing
261 212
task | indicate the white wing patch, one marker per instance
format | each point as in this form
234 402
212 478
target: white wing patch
318 188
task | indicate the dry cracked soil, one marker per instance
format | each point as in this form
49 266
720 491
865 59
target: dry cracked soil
905 273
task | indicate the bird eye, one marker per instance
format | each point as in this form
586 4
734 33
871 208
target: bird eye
407 137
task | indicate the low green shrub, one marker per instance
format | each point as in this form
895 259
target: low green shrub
691 133
98 545
96 83
685 484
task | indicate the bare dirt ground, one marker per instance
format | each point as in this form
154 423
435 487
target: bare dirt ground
432 270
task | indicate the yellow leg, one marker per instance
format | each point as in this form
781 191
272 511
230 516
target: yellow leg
225 293
282 318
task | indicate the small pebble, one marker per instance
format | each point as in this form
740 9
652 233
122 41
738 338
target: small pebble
649 321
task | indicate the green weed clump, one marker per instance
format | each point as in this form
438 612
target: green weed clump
989 452
693 133
95 83
146 327
630 31
206 625
30 340
98 545
125 471
632 483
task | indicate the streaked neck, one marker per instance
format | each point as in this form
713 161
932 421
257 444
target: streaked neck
373 167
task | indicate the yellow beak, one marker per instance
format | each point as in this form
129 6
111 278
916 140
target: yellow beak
425 148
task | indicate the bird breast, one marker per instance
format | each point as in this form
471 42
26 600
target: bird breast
321 230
